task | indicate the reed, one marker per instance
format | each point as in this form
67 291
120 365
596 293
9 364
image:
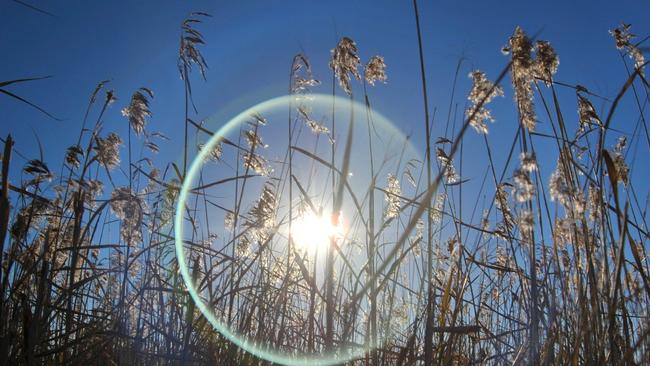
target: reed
516 268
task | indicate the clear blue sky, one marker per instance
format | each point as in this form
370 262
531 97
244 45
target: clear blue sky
249 49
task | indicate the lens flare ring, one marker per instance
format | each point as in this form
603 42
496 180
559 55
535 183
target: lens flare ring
337 356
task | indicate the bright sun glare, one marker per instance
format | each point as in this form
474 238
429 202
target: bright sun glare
313 232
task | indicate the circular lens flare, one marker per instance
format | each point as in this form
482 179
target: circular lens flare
258 250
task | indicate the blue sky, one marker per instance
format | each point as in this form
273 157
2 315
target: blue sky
249 49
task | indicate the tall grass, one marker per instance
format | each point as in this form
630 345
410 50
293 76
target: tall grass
540 271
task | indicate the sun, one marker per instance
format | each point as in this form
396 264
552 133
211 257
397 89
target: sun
313 232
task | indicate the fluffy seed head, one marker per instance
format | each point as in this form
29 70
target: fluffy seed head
522 72
345 62
188 51
215 153
73 156
129 208
546 62
375 70
393 191
138 110
108 150
528 161
623 38
483 91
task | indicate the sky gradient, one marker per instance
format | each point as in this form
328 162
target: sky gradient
249 49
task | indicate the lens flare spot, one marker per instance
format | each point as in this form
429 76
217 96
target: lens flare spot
313 232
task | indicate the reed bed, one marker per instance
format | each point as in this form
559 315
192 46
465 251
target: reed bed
547 265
